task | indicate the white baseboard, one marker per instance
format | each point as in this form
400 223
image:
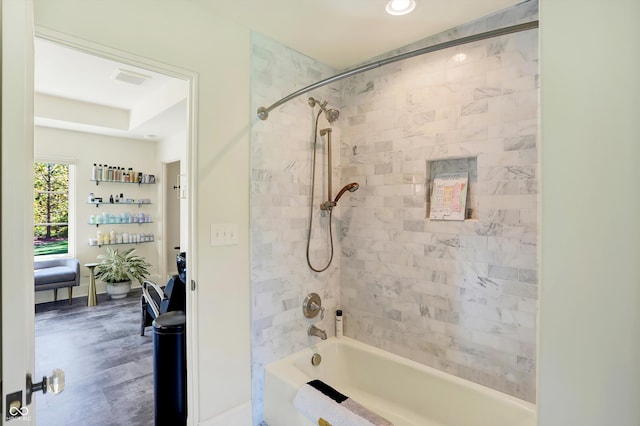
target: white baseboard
237 416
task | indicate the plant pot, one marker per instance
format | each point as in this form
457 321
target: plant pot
119 290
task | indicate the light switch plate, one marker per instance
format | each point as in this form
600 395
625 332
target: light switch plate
224 234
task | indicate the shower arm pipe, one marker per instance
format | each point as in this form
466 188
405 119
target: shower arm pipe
263 113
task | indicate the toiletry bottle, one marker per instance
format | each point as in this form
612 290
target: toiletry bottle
339 328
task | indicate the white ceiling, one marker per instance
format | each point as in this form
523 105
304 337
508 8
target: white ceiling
340 33
84 81
343 33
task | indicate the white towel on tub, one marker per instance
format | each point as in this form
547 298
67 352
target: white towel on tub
319 402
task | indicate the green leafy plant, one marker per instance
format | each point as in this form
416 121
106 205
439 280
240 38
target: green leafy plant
116 267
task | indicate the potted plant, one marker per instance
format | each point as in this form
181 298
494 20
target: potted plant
119 269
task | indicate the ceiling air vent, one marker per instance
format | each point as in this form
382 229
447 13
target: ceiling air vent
130 77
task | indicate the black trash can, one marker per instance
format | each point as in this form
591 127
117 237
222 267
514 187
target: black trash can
170 369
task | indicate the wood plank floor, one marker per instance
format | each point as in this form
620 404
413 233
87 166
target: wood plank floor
108 365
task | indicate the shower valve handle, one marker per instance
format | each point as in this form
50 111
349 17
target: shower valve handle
312 305
315 307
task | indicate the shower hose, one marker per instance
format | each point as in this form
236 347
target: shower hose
313 185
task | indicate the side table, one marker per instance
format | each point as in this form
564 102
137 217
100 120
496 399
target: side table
92 298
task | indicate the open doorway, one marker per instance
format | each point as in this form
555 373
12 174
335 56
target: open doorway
101 111
172 205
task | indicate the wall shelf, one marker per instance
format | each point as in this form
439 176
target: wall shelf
119 223
123 203
124 218
120 244
119 181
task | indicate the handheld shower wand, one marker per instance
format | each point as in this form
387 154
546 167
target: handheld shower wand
328 205
351 187
331 115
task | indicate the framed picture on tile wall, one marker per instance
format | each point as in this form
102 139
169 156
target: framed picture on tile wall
449 196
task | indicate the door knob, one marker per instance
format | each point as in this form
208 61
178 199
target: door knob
53 384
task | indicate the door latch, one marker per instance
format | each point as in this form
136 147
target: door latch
53 384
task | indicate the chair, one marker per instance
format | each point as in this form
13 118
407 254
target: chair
156 300
56 273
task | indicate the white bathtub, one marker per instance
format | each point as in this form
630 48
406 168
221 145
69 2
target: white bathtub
403 391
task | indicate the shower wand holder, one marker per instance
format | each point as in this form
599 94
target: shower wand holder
328 205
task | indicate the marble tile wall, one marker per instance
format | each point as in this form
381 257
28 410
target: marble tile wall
281 154
458 296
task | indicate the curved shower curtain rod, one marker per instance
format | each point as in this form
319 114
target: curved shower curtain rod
263 113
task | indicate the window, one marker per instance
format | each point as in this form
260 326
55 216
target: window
51 207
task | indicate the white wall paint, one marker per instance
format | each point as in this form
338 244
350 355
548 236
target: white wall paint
183 35
82 150
589 340
55 108
173 148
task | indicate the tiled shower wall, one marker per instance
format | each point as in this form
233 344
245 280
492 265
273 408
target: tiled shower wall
281 150
459 296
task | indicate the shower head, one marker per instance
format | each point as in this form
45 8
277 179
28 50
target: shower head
331 114
351 187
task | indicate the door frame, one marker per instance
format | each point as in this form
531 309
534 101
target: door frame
191 172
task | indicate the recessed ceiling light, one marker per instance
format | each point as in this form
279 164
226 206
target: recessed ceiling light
400 7
460 57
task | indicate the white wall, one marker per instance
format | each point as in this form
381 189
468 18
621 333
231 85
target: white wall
181 34
589 340
82 150
173 148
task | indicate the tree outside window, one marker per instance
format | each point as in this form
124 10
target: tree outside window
51 209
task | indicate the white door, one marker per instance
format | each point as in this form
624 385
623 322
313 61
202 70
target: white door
17 209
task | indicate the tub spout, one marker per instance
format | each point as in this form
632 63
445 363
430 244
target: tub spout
315 331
